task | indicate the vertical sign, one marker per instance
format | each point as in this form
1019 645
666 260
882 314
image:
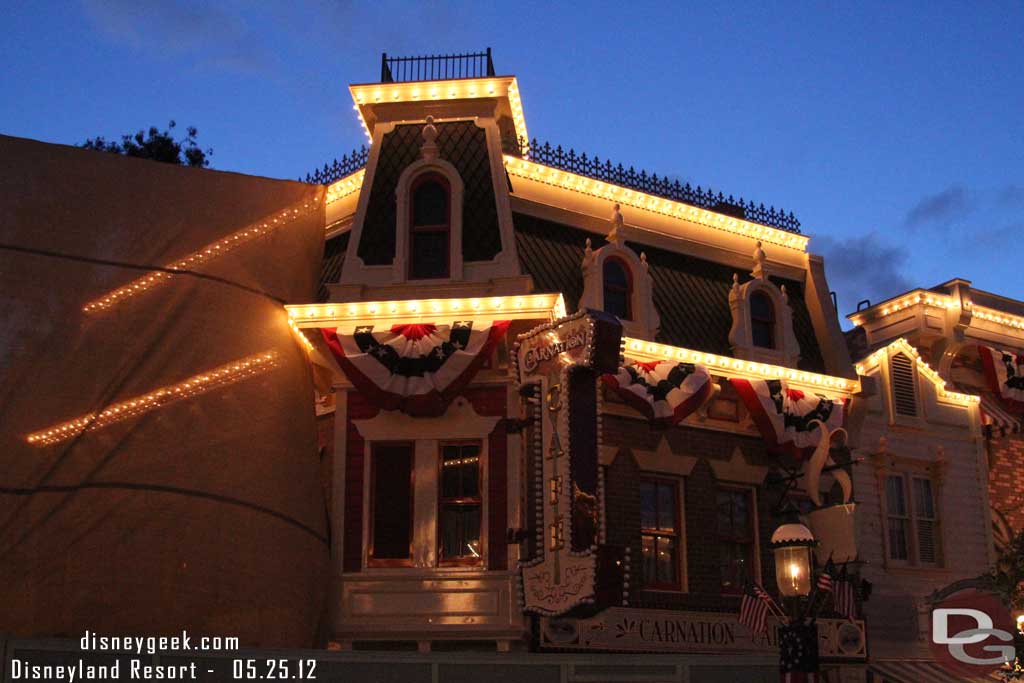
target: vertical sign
557 366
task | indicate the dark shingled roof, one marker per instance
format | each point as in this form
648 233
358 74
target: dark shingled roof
690 293
330 267
464 145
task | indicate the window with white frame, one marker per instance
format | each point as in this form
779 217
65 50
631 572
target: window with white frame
461 504
912 521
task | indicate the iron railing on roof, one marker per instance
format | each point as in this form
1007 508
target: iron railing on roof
436 67
617 174
339 168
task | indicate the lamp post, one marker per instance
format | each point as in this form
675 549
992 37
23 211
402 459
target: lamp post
798 639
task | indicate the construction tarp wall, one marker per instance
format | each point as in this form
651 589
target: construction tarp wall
158 460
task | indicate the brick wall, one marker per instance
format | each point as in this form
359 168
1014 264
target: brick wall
622 508
1005 483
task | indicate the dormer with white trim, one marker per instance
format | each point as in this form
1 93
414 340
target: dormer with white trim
762 320
616 280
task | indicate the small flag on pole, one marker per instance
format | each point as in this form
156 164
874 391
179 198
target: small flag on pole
845 596
754 608
825 579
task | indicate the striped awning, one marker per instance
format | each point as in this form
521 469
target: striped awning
920 671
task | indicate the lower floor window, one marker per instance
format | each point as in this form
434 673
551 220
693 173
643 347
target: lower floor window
735 523
659 529
461 504
391 503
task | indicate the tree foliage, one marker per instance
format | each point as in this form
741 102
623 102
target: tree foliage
158 146
1007 578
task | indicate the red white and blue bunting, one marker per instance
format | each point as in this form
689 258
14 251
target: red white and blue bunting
1004 372
786 417
417 368
666 392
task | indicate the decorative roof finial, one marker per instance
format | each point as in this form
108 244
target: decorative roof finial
734 291
429 148
643 259
615 236
759 271
785 296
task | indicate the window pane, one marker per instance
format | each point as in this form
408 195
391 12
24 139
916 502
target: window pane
666 560
924 504
763 334
429 254
733 563
894 496
648 558
616 302
460 531
460 472
648 505
761 307
666 506
897 538
430 204
725 513
616 289
392 501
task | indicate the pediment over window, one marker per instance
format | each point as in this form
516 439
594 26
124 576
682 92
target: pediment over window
762 319
617 281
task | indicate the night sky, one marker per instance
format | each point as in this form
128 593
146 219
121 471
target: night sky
893 132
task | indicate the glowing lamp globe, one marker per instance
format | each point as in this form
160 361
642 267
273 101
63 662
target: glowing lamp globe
792 545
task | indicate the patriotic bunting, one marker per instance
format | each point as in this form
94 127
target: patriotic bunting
417 368
664 391
1004 372
785 416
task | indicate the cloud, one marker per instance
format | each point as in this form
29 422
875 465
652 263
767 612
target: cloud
941 208
863 267
203 30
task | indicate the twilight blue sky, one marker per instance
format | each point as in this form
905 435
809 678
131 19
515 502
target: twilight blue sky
892 130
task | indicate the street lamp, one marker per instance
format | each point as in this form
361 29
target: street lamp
792 545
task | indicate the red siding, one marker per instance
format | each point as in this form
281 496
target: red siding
358 409
492 401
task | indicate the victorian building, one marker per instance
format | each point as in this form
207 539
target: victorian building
940 490
564 404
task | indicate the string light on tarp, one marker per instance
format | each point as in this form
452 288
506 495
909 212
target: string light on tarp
201 383
211 251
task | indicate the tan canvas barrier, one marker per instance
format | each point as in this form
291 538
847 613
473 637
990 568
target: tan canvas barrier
201 509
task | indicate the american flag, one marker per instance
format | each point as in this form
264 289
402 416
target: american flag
846 603
798 653
825 579
754 608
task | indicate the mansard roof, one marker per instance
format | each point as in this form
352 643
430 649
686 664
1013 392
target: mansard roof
691 293
464 145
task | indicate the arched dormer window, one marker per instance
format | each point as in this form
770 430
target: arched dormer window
762 320
618 289
429 227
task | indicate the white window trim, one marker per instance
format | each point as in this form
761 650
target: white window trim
400 266
459 423
909 469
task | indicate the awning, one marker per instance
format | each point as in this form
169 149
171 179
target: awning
920 671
